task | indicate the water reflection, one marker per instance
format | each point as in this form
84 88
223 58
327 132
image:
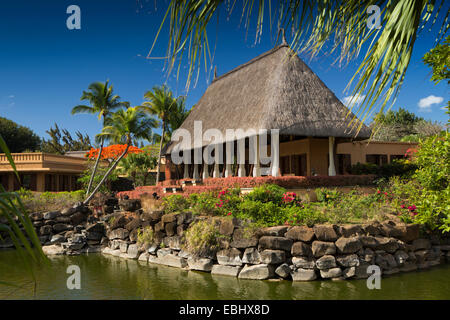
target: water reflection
108 277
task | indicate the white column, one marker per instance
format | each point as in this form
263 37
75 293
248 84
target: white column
205 173
331 168
216 173
196 176
228 172
275 153
241 157
257 167
186 171
241 170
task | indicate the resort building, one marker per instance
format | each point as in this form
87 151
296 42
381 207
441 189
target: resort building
277 90
42 172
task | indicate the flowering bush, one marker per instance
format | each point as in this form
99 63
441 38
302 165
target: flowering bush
112 151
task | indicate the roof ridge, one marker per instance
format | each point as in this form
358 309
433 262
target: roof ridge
250 62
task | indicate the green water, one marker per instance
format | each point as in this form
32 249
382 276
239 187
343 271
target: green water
107 277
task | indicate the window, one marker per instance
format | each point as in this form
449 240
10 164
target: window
396 157
377 159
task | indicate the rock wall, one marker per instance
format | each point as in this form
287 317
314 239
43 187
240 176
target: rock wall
297 253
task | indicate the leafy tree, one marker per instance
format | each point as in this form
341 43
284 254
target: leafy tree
337 26
137 166
122 127
61 141
103 102
438 59
162 104
17 137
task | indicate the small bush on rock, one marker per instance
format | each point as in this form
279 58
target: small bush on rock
202 237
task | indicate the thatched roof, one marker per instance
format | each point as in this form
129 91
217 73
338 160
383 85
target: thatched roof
275 90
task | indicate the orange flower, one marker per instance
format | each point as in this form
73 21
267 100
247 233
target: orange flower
112 152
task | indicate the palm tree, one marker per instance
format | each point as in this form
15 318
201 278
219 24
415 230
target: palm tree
123 126
161 104
386 30
103 102
137 166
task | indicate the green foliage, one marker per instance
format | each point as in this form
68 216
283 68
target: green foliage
438 58
327 195
84 178
17 137
204 204
136 166
433 161
174 203
308 215
398 167
265 213
267 193
202 237
145 236
48 201
61 141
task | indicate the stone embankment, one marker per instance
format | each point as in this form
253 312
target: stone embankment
296 253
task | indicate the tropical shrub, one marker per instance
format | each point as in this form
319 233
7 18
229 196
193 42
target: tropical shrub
327 195
202 237
48 201
398 167
175 203
145 236
267 193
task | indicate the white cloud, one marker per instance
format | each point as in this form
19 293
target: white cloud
356 99
12 96
425 103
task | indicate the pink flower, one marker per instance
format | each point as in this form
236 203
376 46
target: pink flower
229 214
402 206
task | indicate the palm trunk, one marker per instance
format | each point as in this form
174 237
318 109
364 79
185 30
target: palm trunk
107 174
94 170
160 149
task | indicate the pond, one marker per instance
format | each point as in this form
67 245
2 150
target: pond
108 277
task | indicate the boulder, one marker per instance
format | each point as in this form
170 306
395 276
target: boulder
200 264
303 275
275 243
68 211
123 246
51 215
133 224
372 229
387 244
242 240
170 228
283 271
97 227
227 226
321 248
159 226
351 230
361 271
331 273
277 231
368 241
169 260
130 204
301 249
172 242
273 256
401 257
133 251
257 272
170 217
229 257
251 256
300 233
60 227
58 238
419 244
349 272
77 218
326 262
143 256
348 245
45 230
118 221
325 232
350 260
36 216
119 233
222 270
304 262
53 250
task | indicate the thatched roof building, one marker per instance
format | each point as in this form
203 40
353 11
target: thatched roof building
275 90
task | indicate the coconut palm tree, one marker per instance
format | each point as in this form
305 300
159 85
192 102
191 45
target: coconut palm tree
123 126
103 102
162 104
384 31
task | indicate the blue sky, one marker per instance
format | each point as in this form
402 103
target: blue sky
44 67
